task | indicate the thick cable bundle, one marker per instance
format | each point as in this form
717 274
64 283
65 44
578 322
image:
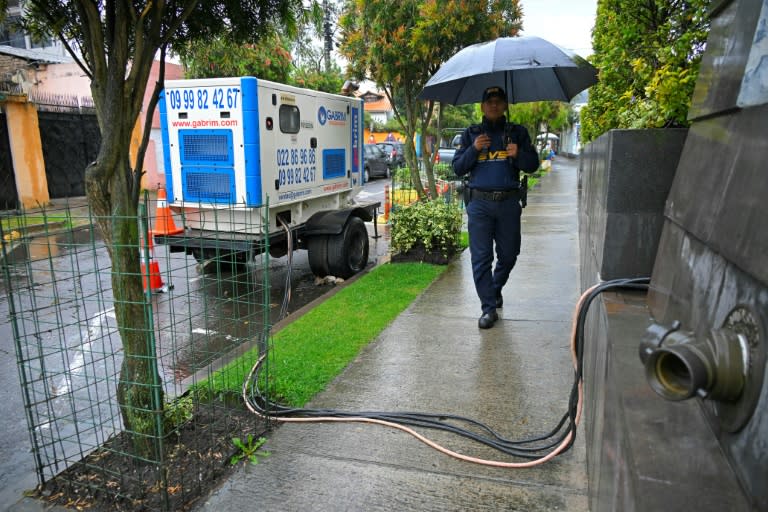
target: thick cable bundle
535 450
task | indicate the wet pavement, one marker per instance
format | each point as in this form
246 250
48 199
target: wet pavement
215 303
515 378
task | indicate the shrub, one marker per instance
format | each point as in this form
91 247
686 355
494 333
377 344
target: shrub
648 56
402 177
435 224
444 171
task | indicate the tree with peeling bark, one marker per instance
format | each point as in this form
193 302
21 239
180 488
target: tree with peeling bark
115 43
400 44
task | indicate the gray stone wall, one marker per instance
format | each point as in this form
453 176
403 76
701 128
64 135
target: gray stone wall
645 452
633 435
625 177
712 256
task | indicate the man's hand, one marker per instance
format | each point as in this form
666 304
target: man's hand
482 142
511 150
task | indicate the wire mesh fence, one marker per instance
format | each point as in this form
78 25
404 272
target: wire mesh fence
200 308
404 193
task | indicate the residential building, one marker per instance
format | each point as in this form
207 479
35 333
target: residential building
569 138
41 75
377 105
11 36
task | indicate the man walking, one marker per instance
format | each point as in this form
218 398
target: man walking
492 154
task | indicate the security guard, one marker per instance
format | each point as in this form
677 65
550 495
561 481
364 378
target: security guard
492 154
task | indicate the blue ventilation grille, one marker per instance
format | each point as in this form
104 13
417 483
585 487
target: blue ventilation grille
334 163
209 185
206 147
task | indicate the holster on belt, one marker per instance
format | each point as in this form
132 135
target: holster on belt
524 190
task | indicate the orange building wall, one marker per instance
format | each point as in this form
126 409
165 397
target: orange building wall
382 136
27 153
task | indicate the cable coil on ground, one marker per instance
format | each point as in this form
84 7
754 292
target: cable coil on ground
537 449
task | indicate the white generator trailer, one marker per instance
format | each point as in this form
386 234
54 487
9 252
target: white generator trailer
247 160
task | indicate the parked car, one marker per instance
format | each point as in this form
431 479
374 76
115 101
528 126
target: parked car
376 162
396 153
445 154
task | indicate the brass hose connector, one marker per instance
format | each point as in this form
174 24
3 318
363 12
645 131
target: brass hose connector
679 365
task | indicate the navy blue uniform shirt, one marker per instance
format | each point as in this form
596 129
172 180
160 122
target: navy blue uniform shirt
492 170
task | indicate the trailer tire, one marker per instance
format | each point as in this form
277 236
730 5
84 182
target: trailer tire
348 251
317 247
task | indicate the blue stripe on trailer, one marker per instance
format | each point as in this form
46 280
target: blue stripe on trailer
251 136
166 147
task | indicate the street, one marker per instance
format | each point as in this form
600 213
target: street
219 314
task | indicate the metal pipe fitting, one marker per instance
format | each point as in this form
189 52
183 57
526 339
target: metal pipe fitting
678 365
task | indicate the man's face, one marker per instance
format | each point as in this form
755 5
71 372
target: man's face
493 108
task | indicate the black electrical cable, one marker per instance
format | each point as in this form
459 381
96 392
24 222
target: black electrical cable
287 294
580 321
563 432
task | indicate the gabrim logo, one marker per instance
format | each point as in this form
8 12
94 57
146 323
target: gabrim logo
331 116
322 116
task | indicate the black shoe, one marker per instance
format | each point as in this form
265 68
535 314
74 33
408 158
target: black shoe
487 320
499 300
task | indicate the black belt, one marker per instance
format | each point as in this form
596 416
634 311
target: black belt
494 195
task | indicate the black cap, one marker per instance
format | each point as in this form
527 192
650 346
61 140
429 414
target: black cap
494 92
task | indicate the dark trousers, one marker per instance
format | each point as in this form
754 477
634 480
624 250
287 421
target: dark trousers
489 222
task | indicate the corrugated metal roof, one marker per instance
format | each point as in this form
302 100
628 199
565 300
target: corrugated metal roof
34 55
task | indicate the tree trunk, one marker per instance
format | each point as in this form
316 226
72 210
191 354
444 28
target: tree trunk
410 133
424 120
110 182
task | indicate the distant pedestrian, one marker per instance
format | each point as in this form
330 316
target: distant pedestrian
390 137
493 153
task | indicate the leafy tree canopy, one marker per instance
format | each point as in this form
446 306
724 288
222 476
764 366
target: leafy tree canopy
275 57
647 54
457 116
399 44
317 79
541 117
219 57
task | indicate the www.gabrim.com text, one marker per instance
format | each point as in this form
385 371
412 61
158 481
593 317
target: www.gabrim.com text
204 123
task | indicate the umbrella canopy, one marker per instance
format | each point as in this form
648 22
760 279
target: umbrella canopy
529 68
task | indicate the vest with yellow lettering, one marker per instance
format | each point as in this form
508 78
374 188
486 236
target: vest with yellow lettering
491 169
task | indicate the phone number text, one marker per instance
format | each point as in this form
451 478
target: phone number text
204 98
295 166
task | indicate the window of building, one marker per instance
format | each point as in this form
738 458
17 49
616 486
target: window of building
10 35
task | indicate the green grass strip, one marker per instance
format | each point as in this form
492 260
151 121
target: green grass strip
23 221
311 351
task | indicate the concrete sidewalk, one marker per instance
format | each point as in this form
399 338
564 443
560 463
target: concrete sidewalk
515 377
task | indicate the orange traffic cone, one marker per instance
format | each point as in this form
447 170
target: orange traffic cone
164 224
387 204
152 279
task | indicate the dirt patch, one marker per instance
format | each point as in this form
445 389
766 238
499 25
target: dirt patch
419 254
197 460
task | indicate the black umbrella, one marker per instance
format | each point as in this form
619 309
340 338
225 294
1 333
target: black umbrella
529 68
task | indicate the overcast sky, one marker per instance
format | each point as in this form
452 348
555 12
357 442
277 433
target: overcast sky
567 23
